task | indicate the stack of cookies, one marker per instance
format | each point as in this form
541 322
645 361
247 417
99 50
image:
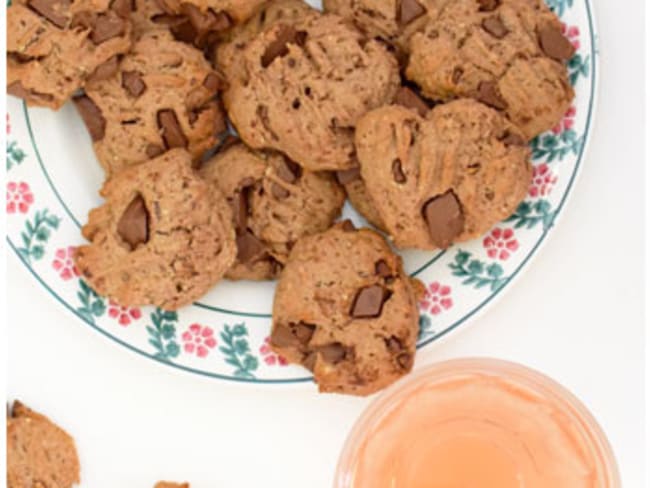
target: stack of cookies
231 133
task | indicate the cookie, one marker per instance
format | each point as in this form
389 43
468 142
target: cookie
345 309
39 453
54 46
161 96
274 204
302 87
445 178
163 237
228 54
509 54
168 484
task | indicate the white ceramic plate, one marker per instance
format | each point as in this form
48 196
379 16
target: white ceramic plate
53 181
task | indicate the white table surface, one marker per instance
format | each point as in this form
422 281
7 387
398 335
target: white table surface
576 315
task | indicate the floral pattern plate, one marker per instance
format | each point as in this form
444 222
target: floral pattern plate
52 183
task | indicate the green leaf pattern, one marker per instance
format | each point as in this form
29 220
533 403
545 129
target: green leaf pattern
15 155
162 335
92 305
476 273
530 214
550 147
36 234
236 351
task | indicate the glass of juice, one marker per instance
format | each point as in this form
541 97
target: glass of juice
477 423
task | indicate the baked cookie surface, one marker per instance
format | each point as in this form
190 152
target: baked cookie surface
160 96
275 202
302 87
345 309
39 453
445 178
169 484
509 54
163 237
54 46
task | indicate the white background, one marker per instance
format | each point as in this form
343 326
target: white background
576 315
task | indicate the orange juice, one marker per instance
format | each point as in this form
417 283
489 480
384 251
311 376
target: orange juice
477 424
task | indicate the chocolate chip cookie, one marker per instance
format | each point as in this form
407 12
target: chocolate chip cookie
509 54
302 87
275 202
39 453
445 178
345 309
164 236
160 96
54 46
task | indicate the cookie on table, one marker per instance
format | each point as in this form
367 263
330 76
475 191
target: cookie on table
445 178
274 204
345 309
228 54
509 54
39 453
163 237
54 46
162 95
302 87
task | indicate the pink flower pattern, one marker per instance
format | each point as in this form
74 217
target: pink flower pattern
19 197
543 181
198 340
500 243
437 298
63 263
8 125
572 33
567 122
123 315
269 356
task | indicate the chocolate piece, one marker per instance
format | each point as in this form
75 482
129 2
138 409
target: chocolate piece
495 27
394 345
405 360
332 353
132 83
511 139
398 173
488 93
283 336
105 70
278 48
107 26
488 5
348 226
92 117
249 248
154 150
409 10
133 226
368 302
554 44
444 217
213 82
303 332
411 100
172 133
279 192
309 361
53 10
382 269
83 20
123 8
348 176
289 171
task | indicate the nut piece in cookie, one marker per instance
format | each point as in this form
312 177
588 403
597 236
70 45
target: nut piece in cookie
55 46
163 237
445 178
163 95
345 309
39 453
508 54
302 87
275 202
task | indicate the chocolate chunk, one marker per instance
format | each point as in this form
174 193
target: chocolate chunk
123 8
289 171
488 93
213 83
457 75
92 117
183 30
105 70
394 345
154 150
511 139
405 360
172 133
279 192
205 22
83 20
348 226
411 100
249 248
495 27
409 10
107 26
309 361
554 44
53 10
444 217
133 226
398 172
303 332
369 302
488 5
132 83
282 336
348 176
240 210
278 48
332 353
382 269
